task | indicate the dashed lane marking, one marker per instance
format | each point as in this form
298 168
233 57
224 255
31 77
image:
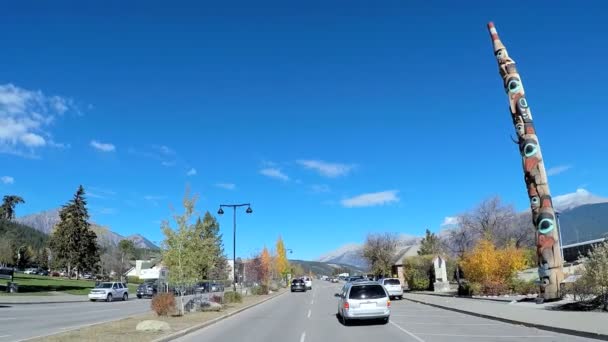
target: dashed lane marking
407 332
303 337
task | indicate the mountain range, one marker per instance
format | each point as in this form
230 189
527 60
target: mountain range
46 220
583 217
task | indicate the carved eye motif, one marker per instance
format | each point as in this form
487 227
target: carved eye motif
546 223
514 85
501 54
520 129
535 202
529 148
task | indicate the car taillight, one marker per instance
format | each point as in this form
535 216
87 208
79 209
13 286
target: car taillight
346 306
388 303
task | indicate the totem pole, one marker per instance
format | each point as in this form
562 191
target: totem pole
543 214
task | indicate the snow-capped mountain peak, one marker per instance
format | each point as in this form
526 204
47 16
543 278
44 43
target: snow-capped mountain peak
576 199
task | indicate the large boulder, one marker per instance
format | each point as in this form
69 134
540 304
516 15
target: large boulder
200 304
152 325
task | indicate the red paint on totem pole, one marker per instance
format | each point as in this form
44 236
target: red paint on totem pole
530 164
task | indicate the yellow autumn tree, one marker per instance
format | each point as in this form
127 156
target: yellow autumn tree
281 263
492 268
266 265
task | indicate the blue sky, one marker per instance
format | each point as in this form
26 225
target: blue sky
334 119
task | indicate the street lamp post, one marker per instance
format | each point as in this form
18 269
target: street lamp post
221 212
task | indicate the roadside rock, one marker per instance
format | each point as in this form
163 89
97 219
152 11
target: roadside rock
198 304
152 325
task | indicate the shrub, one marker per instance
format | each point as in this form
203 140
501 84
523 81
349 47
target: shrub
259 290
491 267
232 297
523 287
216 299
469 289
595 276
133 280
419 272
163 304
274 287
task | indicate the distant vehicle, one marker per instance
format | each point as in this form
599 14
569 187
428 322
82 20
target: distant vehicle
109 291
63 274
30 271
334 280
42 272
147 289
393 286
363 300
298 285
209 287
354 278
87 276
308 282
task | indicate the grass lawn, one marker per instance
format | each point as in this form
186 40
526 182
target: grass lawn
35 284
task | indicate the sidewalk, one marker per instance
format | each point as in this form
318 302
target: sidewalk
586 324
50 299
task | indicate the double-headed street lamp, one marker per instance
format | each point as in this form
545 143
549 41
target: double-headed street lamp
221 212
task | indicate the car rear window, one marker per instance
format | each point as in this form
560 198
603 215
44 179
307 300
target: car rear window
367 292
297 281
392 282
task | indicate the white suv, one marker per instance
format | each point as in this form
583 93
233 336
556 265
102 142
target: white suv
393 287
109 292
307 282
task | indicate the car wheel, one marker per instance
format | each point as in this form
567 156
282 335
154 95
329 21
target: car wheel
385 320
125 297
92 300
109 298
138 296
344 320
400 297
292 291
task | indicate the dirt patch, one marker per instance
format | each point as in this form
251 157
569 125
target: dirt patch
124 330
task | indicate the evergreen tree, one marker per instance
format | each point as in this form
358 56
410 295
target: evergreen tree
24 257
213 263
73 243
127 251
430 244
43 259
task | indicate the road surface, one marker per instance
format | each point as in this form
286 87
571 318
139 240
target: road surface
311 317
24 321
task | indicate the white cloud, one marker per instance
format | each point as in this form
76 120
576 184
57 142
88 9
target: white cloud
274 173
107 211
164 150
371 199
25 116
320 188
554 171
168 163
104 147
326 169
227 186
191 172
7 179
449 221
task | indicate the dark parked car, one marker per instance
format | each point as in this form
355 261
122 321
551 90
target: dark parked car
298 285
42 272
147 289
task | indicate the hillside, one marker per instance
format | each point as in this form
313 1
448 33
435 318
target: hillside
325 268
19 234
584 223
46 220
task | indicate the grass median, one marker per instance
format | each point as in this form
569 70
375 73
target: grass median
124 330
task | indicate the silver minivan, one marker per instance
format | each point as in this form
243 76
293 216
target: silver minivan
363 300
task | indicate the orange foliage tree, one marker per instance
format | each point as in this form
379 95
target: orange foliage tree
266 266
491 267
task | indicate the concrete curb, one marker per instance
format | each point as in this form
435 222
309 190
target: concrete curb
499 299
573 332
213 321
49 302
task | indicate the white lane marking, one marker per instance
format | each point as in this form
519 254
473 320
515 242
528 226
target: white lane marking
455 323
312 302
407 332
425 316
7 319
309 312
490 336
303 337
1 336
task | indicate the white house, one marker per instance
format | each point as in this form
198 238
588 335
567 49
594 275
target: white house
141 265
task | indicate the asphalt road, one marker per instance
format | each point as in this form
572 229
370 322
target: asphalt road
23 321
311 317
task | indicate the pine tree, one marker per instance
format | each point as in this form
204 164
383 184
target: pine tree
430 244
43 259
209 230
73 243
127 250
7 209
